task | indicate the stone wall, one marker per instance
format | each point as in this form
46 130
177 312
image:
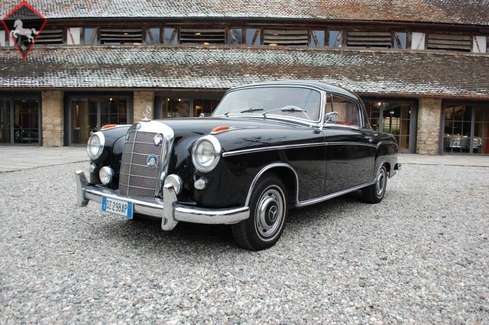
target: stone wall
52 119
428 137
142 99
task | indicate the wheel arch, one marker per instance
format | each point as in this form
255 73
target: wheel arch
286 173
382 161
387 166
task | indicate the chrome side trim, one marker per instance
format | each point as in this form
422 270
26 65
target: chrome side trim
333 195
291 146
346 143
295 146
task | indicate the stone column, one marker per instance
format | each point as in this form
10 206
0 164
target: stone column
141 100
428 136
52 118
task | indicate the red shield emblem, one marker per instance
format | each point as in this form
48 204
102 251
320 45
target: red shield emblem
24 24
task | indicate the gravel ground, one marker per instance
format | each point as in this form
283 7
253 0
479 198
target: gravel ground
421 256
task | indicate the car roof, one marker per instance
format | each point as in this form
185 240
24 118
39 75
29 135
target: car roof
308 83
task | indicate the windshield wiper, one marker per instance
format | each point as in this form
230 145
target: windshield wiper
251 110
291 108
288 108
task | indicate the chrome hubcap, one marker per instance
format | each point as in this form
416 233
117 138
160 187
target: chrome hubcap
270 212
380 183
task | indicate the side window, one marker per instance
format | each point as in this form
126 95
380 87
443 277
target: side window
348 112
329 104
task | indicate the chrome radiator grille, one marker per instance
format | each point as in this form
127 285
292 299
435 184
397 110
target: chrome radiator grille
136 178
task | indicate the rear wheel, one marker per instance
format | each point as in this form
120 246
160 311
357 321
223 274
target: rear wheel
375 192
268 213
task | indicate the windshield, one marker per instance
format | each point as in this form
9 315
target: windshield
293 102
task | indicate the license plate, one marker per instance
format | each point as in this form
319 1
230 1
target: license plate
120 207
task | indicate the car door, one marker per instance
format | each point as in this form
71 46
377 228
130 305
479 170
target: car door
350 148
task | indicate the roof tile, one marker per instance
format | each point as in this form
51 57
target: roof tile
369 72
472 12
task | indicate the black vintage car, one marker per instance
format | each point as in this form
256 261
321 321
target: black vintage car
266 148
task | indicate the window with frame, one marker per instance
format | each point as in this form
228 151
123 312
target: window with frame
204 107
170 36
319 38
89 114
335 38
235 36
152 35
400 40
176 107
90 36
244 36
252 36
26 120
348 111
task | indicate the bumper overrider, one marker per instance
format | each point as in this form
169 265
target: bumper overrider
168 209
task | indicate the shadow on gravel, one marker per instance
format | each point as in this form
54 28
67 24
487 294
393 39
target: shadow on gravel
145 236
186 237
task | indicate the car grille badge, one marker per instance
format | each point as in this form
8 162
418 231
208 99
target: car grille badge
152 161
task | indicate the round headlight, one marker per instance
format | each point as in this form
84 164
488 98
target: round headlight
95 145
206 153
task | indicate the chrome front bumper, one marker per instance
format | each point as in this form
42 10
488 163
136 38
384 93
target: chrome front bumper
154 207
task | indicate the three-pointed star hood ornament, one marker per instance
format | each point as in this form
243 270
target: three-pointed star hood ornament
147 114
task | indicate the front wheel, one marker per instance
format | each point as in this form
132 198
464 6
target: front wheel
375 192
268 212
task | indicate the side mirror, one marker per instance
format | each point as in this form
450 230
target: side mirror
331 117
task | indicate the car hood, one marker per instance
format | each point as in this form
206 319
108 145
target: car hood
243 133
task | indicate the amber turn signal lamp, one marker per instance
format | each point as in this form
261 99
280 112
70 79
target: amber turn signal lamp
218 129
108 126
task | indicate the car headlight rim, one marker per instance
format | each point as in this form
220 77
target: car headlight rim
95 145
206 153
106 175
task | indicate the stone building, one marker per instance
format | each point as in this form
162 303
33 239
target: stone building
421 66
